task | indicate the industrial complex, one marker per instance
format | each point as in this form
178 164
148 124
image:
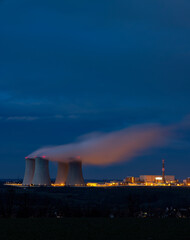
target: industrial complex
69 173
37 172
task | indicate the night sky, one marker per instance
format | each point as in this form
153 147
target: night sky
68 68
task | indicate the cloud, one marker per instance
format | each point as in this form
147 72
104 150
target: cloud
34 118
22 118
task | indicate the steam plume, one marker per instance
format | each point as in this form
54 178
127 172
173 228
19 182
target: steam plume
108 148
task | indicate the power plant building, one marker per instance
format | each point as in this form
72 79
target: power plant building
41 173
37 172
75 176
29 171
62 173
157 178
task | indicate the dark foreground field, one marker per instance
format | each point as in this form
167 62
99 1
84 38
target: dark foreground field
94 213
94 228
125 202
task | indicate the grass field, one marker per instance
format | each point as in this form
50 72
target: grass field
94 229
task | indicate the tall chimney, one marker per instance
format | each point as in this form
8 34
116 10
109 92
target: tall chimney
41 173
163 171
29 171
62 172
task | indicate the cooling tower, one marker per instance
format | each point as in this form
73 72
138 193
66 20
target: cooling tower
29 171
41 173
62 172
75 174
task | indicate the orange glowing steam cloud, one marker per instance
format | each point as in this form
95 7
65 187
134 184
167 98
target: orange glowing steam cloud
108 148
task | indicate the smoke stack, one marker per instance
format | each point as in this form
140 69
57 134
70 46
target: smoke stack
62 172
163 171
75 176
41 173
29 171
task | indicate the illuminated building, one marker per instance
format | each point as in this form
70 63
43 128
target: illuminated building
187 181
129 180
157 178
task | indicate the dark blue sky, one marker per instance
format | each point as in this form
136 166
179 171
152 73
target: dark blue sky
68 68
